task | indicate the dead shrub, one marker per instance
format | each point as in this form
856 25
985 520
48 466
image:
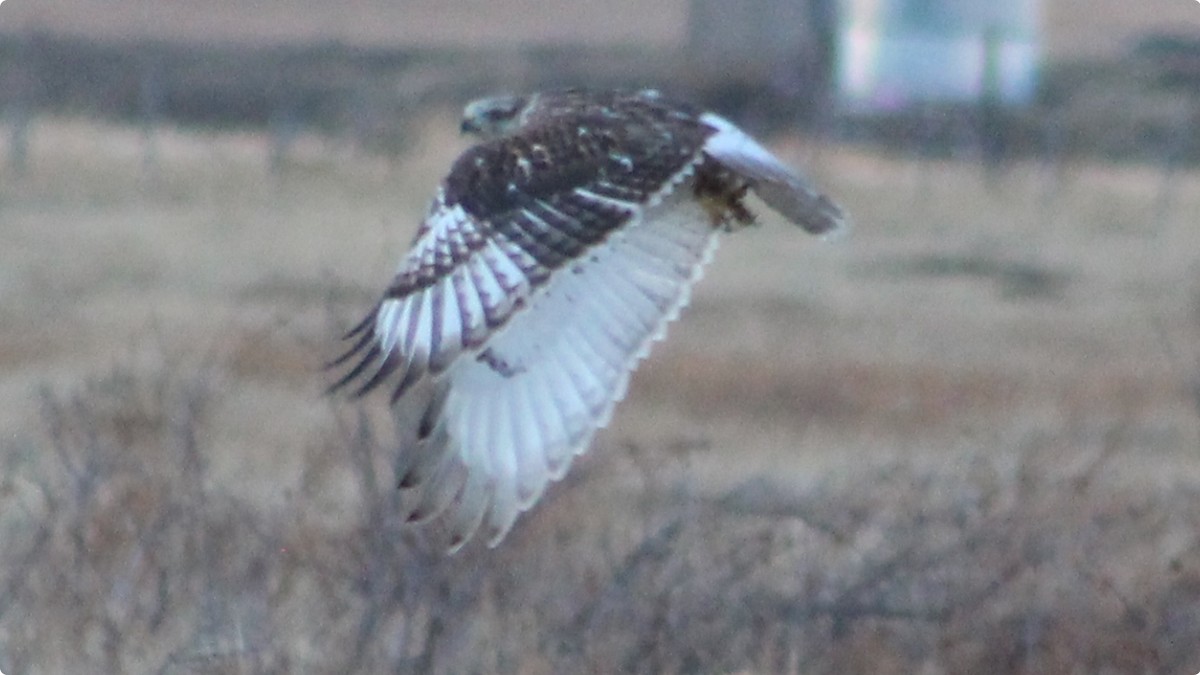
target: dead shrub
135 562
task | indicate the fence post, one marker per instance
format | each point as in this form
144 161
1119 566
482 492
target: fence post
20 128
150 105
20 106
991 118
1171 157
283 127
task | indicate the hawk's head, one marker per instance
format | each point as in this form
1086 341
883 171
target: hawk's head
494 116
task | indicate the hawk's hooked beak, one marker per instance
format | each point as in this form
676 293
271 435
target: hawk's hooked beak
468 126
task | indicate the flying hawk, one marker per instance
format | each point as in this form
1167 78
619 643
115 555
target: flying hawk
554 254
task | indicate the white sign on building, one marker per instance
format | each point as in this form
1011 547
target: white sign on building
896 53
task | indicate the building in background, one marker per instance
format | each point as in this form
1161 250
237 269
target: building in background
770 59
752 37
893 55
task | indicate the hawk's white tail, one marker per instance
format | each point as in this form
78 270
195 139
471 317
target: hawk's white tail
778 185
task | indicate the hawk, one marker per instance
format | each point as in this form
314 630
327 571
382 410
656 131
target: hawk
554 254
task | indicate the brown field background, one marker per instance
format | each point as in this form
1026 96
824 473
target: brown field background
1072 28
964 439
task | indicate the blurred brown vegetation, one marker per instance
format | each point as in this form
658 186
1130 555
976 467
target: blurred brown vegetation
1029 559
1008 473
963 441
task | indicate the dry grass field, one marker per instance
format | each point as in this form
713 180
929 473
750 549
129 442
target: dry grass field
1072 28
965 439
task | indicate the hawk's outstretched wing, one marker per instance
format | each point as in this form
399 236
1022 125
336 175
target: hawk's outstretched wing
550 260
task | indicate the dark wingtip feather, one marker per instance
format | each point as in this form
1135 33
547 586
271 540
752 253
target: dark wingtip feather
365 353
359 345
433 412
415 371
365 360
409 479
390 364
